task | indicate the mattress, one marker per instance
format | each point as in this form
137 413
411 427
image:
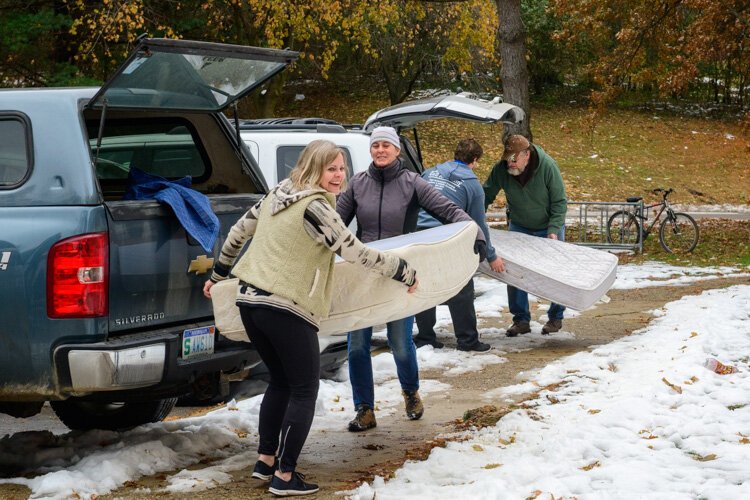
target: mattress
572 275
443 257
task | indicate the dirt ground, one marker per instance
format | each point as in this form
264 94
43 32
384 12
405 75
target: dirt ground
341 460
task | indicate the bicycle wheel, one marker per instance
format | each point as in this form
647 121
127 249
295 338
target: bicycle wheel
623 228
679 234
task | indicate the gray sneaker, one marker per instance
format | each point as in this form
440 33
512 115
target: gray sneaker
552 326
517 328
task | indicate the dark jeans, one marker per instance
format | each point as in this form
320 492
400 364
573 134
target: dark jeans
288 345
463 314
518 300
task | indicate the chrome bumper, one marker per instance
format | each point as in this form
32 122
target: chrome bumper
107 370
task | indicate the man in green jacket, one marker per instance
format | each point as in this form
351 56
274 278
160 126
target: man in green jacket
536 205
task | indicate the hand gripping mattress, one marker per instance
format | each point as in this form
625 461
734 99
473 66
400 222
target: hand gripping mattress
443 257
572 275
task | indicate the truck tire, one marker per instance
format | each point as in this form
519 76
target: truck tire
113 416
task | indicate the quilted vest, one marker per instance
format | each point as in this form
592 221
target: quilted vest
283 259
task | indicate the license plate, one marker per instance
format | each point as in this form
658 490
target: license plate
198 342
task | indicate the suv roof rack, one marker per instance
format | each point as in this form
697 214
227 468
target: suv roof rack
288 121
322 125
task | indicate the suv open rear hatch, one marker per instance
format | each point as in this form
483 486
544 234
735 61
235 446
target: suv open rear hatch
463 106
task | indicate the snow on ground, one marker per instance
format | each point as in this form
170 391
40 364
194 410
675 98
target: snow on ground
659 274
642 417
617 430
707 209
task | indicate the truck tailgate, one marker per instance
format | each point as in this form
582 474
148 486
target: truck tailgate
157 270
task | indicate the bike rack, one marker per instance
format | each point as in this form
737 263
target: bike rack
586 223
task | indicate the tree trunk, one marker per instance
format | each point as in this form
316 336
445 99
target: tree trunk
511 36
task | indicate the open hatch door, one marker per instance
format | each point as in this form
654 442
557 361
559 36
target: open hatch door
189 75
463 106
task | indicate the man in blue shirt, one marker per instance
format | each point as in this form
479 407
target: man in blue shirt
456 180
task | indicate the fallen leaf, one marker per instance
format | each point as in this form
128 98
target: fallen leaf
506 442
591 465
593 411
477 447
492 466
702 458
674 387
693 334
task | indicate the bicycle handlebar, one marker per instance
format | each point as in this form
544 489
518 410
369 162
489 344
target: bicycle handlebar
666 192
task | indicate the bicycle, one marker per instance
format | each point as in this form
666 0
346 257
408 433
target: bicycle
678 232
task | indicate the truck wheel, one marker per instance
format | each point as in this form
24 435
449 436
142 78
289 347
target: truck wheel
113 416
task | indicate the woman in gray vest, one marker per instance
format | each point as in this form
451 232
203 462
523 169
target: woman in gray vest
284 292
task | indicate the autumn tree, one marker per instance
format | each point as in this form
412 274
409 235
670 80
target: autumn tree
549 62
71 42
665 45
29 52
104 31
407 38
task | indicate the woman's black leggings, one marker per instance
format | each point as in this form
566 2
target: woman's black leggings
288 345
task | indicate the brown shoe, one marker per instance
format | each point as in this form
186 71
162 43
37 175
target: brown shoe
364 420
552 326
516 328
413 403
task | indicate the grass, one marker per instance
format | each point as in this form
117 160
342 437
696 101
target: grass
722 242
626 153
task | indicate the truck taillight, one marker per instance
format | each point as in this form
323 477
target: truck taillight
78 276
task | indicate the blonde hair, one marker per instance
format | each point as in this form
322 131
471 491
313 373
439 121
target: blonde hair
312 161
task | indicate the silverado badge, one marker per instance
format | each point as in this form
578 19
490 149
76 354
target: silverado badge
4 259
201 264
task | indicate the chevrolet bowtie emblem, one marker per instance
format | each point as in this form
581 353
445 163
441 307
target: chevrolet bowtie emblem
201 264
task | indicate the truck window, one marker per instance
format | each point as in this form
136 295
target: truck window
15 148
287 156
166 148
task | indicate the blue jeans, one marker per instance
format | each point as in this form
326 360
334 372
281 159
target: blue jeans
518 300
360 360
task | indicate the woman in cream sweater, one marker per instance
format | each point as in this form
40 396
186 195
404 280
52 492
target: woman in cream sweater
285 290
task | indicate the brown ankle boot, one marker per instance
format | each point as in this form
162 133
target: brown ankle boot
413 403
552 326
518 327
365 419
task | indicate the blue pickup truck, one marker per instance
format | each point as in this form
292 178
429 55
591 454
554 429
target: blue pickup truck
101 305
